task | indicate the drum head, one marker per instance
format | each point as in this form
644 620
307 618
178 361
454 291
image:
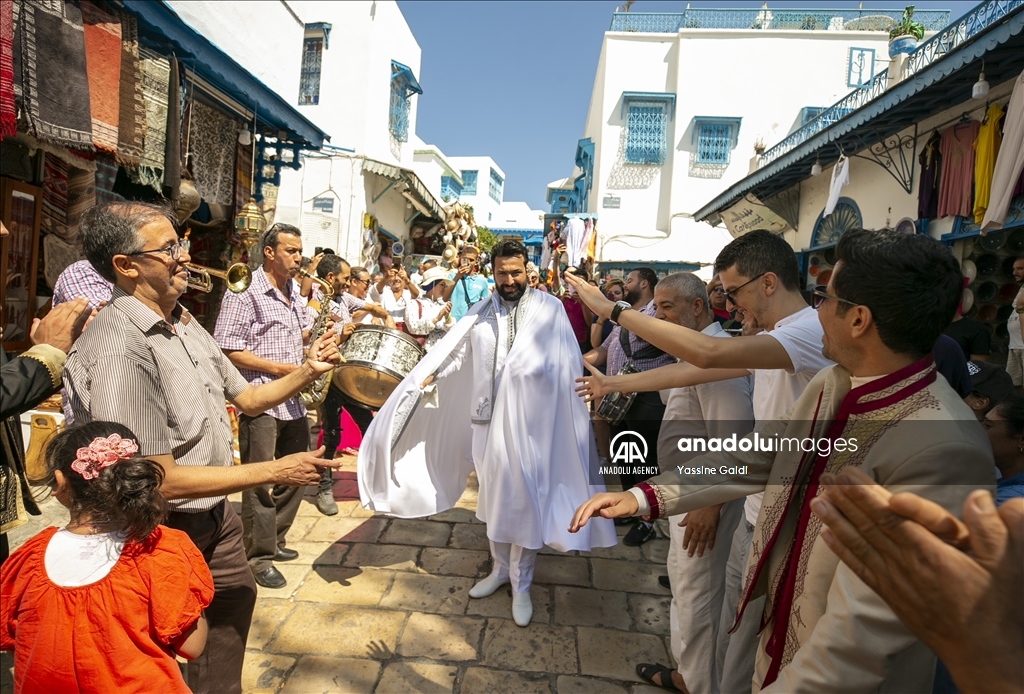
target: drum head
364 384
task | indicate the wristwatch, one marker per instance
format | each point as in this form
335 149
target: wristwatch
618 308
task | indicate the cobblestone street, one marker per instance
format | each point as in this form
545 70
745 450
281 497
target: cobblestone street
376 604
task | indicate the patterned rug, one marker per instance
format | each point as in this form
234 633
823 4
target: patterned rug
8 117
131 127
55 89
55 196
213 139
103 68
156 72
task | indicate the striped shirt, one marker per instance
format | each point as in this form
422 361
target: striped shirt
81 279
617 357
263 322
167 382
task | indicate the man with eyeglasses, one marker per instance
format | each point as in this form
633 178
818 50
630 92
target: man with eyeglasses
362 309
760 278
146 363
881 408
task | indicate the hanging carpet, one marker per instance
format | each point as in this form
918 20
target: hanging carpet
131 126
8 116
156 73
55 89
213 139
103 68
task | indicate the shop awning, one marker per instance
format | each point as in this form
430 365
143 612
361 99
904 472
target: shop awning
162 29
951 61
414 186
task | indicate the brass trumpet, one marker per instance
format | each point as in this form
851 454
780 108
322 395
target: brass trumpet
237 277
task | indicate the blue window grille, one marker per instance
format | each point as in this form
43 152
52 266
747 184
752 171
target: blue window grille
860 68
403 86
715 138
469 182
309 80
450 188
647 115
494 189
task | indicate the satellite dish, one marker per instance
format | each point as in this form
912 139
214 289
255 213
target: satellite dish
906 226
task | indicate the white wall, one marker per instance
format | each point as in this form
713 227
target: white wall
266 41
763 77
485 209
355 78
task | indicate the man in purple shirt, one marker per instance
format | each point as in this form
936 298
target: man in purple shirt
81 279
262 331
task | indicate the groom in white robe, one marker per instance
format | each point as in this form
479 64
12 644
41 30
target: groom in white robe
497 394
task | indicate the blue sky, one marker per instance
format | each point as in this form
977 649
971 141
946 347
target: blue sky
512 80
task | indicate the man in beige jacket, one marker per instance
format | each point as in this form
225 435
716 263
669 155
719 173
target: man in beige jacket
881 409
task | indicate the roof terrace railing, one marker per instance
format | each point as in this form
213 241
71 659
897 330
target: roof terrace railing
939 45
790 19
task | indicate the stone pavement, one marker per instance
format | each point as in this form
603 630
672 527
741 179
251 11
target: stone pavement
377 604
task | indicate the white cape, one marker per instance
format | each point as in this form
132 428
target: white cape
540 459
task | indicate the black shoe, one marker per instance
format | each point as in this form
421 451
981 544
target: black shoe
628 520
663 580
270 578
639 534
285 554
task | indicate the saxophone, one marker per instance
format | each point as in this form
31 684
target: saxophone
316 392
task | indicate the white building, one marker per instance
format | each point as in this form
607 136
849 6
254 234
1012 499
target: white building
679 103
459 178
352 68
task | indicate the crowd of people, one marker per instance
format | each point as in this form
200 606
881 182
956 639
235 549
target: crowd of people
833 567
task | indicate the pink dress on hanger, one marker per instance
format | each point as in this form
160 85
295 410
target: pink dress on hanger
957 178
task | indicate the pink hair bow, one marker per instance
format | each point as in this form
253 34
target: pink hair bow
102 453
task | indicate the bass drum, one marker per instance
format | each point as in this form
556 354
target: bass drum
376 361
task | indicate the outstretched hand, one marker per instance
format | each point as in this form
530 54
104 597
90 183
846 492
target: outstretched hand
591 295
955 584
605 504
323 354
594 386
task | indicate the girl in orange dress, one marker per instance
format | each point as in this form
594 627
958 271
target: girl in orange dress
105 604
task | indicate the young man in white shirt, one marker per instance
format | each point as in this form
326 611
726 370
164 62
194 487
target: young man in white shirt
760 275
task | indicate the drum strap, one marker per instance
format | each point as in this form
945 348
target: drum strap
647 352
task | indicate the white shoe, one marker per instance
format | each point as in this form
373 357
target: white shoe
488 586
522 608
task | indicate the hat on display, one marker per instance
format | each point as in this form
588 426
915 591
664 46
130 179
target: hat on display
990 381
433 275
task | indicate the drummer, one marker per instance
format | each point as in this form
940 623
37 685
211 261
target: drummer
336 272
647 410
428 317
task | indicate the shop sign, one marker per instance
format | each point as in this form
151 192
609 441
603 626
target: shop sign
324 204
611 203
749 214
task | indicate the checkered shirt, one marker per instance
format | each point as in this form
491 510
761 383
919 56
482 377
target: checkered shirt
81 279
617 357
262 321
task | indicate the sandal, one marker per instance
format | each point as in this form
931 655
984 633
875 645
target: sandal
648 671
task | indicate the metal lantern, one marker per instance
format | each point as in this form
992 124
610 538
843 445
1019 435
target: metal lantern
250 223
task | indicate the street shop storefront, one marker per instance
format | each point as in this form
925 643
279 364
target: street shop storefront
102 102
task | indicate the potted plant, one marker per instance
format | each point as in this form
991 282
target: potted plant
903 37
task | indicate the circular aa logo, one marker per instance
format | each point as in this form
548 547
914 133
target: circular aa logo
629 448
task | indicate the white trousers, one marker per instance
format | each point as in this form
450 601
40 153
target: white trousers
736 652
698 590
515 562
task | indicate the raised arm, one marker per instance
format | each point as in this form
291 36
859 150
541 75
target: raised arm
678 375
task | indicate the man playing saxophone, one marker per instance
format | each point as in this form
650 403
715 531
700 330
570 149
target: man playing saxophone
262 330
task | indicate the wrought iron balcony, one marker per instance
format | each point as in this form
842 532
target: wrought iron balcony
939 45
793 19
